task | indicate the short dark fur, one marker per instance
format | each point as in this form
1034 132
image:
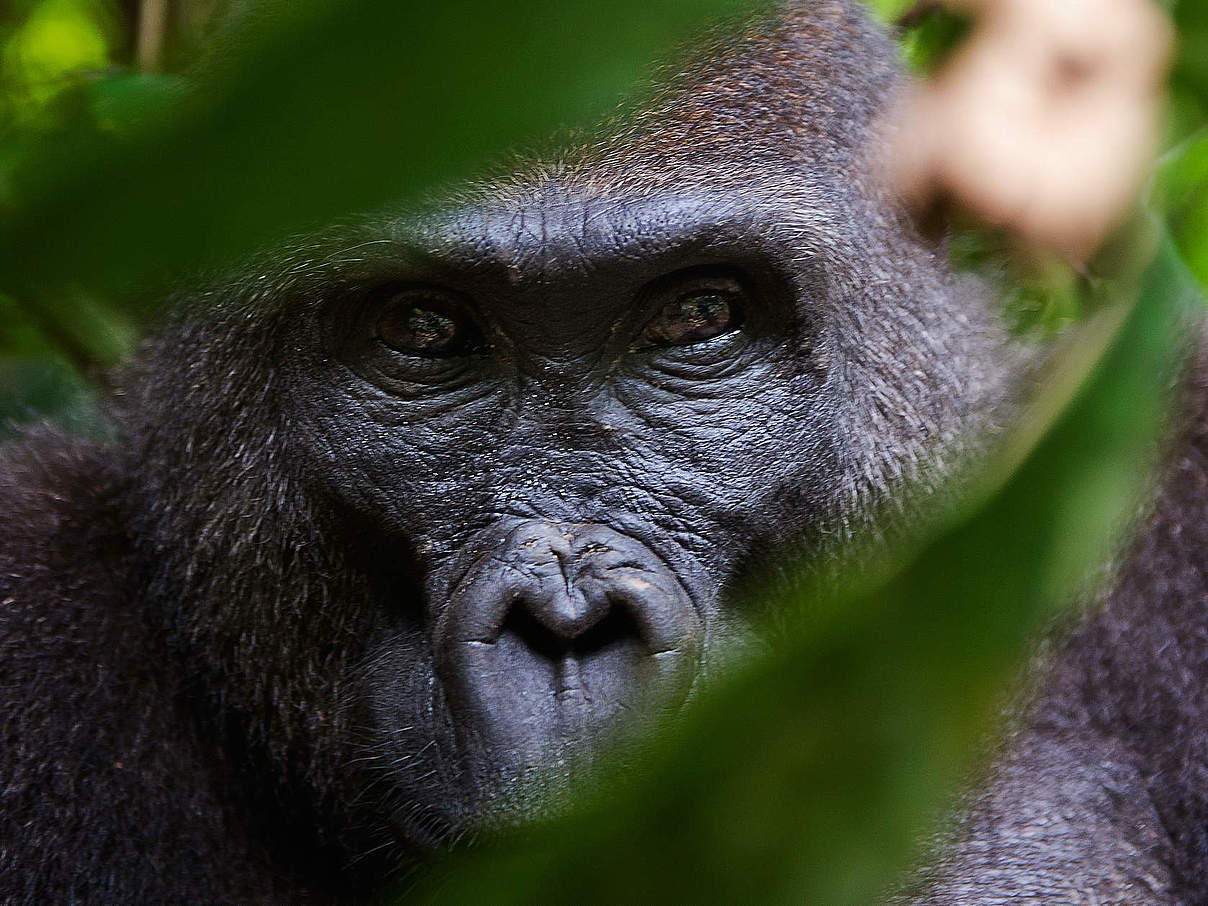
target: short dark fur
234 641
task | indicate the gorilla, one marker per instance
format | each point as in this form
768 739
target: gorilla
393 529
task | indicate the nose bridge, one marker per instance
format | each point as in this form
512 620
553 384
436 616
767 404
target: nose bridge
562 386
563 448
557 599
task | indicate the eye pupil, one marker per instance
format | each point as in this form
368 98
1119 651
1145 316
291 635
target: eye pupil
703 312
430 328
421 327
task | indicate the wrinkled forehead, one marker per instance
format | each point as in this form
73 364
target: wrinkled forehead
533 233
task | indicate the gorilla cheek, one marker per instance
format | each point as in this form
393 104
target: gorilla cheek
554 630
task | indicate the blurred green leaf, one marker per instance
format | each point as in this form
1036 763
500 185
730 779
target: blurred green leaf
811 774
1189 79
889 10
1182 184
1182 189
322 110
929 31
35 387
57 39
929 43
1040 296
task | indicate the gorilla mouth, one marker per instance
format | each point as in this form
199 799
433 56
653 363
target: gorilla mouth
553 633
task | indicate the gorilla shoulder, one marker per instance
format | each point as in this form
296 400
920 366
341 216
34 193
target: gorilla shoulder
104 774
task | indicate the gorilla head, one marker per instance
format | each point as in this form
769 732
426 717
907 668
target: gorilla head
428 505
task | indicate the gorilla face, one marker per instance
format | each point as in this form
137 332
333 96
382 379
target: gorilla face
573 413
429 508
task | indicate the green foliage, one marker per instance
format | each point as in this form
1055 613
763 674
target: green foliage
1041 296
34 379
1189 79
930 32
56 42
1182 184
889 10
928 45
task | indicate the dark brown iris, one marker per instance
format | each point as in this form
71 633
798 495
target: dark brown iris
424 323
697 315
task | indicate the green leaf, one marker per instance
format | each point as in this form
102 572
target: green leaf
1182 188
1190 76
322 110
889 10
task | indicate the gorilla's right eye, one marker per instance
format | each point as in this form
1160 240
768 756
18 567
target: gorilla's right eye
426 322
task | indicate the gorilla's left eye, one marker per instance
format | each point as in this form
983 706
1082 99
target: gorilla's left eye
702 309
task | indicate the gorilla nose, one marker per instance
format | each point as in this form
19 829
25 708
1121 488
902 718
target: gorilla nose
554 630
556 614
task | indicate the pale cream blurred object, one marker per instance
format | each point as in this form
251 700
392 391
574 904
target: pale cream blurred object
1044 121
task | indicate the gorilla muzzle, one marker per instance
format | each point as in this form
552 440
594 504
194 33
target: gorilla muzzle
554 631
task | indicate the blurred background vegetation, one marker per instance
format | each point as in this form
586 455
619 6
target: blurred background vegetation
144 143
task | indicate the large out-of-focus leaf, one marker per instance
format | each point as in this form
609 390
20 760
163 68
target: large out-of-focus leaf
1189 80
322 110
1183 179
810 776
1182 187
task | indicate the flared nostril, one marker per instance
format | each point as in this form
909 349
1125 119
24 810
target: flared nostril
555 628
618 626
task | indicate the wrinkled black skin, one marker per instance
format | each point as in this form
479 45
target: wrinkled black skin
229 639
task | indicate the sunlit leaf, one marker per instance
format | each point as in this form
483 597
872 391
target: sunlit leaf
56 40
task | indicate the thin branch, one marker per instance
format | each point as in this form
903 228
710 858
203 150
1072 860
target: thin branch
152 34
